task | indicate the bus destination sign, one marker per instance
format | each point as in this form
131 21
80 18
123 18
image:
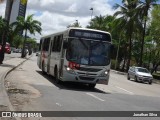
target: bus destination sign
90 35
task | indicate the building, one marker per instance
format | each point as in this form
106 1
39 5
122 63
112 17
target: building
18 9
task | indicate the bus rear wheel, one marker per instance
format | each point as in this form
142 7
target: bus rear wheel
56 76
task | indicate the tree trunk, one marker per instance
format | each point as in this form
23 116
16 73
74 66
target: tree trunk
143 36
24 43
155 68
142 44
117 55
129 53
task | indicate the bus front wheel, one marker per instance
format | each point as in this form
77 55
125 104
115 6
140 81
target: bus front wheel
43 71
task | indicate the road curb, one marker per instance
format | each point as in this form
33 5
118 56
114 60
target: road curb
10 106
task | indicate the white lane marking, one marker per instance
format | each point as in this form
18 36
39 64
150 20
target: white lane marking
95 96
58 104
125 90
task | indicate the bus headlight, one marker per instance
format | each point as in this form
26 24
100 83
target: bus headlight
104 74
70 70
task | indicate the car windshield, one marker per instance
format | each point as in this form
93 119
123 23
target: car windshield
142 70
88 52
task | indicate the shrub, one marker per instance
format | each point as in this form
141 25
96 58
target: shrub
156 76
113 62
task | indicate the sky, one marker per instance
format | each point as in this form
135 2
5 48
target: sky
56 15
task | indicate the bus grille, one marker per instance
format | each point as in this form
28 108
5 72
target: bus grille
89 69
82 73
86 78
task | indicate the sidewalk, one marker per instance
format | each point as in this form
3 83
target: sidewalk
5 68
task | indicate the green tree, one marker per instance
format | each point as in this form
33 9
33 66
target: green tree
5 32
2 28
128 21
75 24
145 6
97 23
155 37
102 23
9 34
31 42
17 41
28 25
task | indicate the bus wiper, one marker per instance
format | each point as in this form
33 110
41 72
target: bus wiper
83 43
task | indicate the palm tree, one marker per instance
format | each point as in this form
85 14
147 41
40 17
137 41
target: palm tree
97 23
28 25
7 18
2 23
128 21
3 27
144 8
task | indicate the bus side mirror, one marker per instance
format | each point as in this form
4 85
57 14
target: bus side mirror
65 44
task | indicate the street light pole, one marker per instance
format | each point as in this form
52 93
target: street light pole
91 12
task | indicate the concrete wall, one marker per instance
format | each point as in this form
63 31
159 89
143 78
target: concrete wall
15 10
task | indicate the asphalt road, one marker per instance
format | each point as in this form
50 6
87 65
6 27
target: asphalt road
43 94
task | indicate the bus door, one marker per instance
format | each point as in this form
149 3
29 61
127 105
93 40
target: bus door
39 58
45 53
49 55
62 59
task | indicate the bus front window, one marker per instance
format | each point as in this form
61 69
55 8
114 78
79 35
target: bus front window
88 52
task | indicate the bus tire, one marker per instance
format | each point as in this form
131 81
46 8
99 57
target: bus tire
92 86
56 75
43 71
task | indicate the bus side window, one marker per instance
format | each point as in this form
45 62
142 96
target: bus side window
57 43
46 44
60 37
43 45
53 45
54 48
40 45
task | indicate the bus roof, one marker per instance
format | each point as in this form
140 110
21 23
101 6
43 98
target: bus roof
75 28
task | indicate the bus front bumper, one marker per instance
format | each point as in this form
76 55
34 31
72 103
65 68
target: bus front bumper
84 78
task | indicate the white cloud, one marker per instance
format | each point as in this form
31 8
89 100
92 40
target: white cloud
72 8
56 15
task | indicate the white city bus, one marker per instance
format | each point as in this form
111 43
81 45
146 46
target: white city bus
77 55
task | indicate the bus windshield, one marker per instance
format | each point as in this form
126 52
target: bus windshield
88 52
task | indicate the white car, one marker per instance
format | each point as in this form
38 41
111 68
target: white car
139 74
